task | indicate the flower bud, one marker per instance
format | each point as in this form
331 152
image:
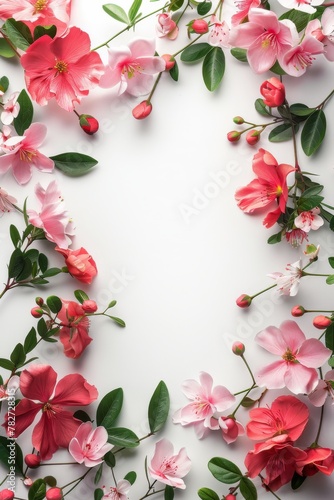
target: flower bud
33 461
169 60
297 311
199 26
273 92
233 136
238 120
89 124
89 306
322 322
6 495
238 348
230 497
39 301
27 481
142 110
253 137
54 494
244 300
36 312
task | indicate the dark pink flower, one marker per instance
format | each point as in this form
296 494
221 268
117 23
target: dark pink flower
73 333
318 460
230 428
80 264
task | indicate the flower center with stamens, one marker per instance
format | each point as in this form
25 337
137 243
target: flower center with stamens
27 155
289 356
131 69
40 5
61 67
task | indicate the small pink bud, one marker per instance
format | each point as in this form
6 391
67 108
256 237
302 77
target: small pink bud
233 136
169 60
322 322
142 110
238 348
54 494
244 300
89 124
33 461
238 120
230 497
36 312
39 301
6 495
199 26
253 137
27 481
297 311
89 306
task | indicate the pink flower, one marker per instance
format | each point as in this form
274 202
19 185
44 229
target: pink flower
219 33
79 263
89 445
296 237
8 389
296 60
317 460
167 467
73 333
323 389
7 201
309 220
302 5
278 457
52 218
243 7
270 186
166 27
230 428
288 284
132 68
120 492
287 415
273 92
11 109
37 12
299 358
63 68
206 401
326 37
24 155
57 426
265 38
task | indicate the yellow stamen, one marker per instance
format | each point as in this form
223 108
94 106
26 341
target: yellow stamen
40 5
289 356
61 67
27 155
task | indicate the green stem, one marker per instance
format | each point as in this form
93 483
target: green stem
77 481
269 489
186 46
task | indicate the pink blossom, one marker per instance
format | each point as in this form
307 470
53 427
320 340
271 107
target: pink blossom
299 358
38 12
318 460
132 67
288 284
11 109
9 389
89 445
309 220
265 38
302 5
230 428
80 264
24 154
323 389
167 467
7 201
296 60
5 134
73 333
57 426
63 68
278 457
287 415
296 237
166 27
243 7
120 492
52 218
206 401
219 33
325 33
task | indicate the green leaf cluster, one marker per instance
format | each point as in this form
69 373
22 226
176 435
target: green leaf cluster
118 13
213 65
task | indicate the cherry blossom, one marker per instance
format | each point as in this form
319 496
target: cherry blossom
302 5
296 60
296 237
299 358
120 492
243 7
309 220
167 467
323 389
11 109
288 284
219 33
89 445
7 201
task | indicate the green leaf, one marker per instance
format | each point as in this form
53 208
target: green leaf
207 494
247 402
7 364
329 337
14 235
195 52
4 82
331 361
116 12
247 489
119 321
40 31
6 456
313 132
331 261
98 474
312 191
301 19
82 415
26 113
43 262
174 72
299 109
176 4
109 408
98 494
158 408
239 54
18 33
297 481
134 9
6 51
54 303
261 107
131 477
330 280
120 436
277 69
112 304
110 459
50 481
275 238
41 327
16 263
81 296
169 493
18 356
309 203
30 341
37 490
224 470
213 68
74 164
282 132
203 8
53 271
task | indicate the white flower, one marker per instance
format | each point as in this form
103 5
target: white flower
288 284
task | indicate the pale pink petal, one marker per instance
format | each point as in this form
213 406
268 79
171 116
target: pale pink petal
319 395
313 353
271 339
141 47
299 379
272 375
292 335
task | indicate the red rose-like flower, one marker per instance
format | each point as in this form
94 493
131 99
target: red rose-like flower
80 264
75 326
273 92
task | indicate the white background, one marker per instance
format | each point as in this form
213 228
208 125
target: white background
175 276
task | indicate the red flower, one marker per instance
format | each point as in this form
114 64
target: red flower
273 92
56 426
79 263
317 460
74 332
